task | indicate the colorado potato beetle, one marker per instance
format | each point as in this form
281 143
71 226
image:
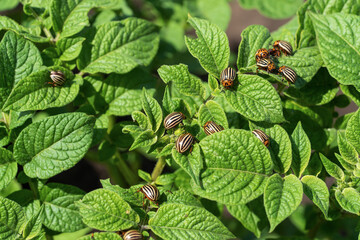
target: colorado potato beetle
132 235
262 136
261 53
289 74
211 127
274 52
284 47
173 119
184 142
151 192
227 77
266 65
57 78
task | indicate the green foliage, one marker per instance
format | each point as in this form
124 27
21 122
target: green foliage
123 61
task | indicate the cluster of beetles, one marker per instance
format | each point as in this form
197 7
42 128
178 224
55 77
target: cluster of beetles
185 141
264 62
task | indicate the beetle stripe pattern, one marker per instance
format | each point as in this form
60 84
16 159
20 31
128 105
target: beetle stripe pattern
289 74
57 77
132 235
151 192
284 47
173 119
262 136
227 77
266 64
211 127
184 142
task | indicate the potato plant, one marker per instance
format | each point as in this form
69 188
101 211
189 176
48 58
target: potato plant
95 79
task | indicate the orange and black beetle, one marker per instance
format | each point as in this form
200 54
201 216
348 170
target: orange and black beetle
261 53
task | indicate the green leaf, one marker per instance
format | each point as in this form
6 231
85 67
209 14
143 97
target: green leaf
7 23
8 168
70 48
54 144
178 221
12 219
70 17
183 197
123 92
342 48
353 131
34 93
211 47
347 151
280 147
216 11
144 176
121 46
287 31
60 212
349 199
100 129
331 168
212 111
319 91
301 149
306 34
237 164
251 215
18 59
152 110
192 163
213 83
105 210
253 38
281 198
344 163
351 92
276 9
144 139
126 194
186 83
256 99
34 225
166 151
8 4
141 119
101 236
17 119
317 191
305 69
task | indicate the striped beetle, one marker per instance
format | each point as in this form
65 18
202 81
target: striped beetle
151 192
173 119
262 136
284 47
211 127
289 74
57 78
261 53
227 77
266 65
132 235
184 142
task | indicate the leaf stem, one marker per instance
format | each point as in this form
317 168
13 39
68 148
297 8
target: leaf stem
159 167
280 88
129 175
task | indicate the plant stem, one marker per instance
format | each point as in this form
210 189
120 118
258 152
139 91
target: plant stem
116 175
280 88
129 175
158 168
